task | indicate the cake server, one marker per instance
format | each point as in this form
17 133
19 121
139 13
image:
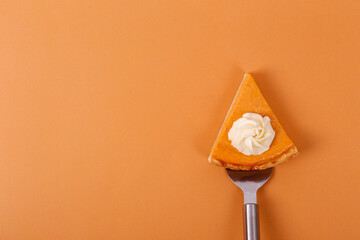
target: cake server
250 182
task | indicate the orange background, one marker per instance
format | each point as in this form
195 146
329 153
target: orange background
108 111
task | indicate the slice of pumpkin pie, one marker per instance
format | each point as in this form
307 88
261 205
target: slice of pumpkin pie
251 137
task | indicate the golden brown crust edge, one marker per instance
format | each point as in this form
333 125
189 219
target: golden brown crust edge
293 152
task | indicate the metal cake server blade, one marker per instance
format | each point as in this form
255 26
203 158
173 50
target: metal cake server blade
250 182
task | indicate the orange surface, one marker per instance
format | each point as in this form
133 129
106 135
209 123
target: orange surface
109 110
249 99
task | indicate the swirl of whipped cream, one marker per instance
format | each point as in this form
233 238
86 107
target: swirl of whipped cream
252 134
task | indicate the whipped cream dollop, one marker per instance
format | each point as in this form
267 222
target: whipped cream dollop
252 134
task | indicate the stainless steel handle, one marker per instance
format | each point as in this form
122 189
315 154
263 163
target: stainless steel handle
251 222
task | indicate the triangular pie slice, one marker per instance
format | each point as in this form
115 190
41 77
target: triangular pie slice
249 99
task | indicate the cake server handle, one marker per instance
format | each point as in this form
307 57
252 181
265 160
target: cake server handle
251 221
